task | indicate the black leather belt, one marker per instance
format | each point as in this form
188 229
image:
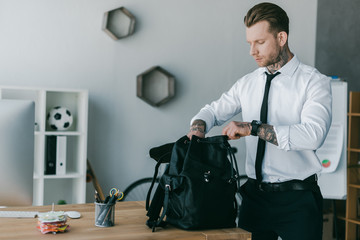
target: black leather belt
307 184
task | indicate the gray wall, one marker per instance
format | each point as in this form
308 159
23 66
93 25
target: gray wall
49 43
337 40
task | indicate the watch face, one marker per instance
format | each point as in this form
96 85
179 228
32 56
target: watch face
258 122
255 125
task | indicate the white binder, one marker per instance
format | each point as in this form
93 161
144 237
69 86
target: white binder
333 153
60 155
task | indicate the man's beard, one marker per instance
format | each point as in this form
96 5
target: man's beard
276 62
274 59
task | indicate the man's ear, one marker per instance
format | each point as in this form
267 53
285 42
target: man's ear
282 38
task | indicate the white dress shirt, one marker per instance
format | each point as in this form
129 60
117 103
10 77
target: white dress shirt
299 108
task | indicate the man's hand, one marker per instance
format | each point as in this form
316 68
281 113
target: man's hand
197 128
236 130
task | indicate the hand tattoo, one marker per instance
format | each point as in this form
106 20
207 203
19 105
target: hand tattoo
198 125
195 129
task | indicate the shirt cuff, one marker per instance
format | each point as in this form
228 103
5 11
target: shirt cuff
283 137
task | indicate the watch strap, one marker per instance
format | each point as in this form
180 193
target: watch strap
255 124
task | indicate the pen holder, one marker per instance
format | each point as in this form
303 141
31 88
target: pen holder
104 214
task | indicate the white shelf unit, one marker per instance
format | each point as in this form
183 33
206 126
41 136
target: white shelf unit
70 186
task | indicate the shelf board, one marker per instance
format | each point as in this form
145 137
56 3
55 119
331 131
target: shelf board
36 89
354 166
65 176
70 175
353 149
352 220
341 217
354 114
59 133
352 185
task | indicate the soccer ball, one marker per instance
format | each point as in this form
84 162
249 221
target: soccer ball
59 118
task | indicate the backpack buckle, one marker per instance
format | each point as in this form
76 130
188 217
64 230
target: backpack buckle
207 176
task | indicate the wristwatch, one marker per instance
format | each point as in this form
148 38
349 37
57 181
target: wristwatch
255 124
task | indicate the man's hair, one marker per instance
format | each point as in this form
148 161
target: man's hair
273 14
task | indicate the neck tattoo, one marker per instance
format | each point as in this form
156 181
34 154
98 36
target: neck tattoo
282 59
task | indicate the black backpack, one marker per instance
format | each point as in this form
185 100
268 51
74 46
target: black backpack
198 187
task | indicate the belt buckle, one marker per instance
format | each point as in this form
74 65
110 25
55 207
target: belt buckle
261 187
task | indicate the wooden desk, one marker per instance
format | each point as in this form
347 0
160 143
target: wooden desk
130 218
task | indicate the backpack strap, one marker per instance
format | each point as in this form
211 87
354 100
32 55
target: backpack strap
155 208
160 222
160 154
159 200
152 185
234 167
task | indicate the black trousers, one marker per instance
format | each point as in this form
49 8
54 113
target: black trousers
292 215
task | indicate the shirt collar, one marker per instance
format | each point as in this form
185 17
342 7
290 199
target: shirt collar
288 69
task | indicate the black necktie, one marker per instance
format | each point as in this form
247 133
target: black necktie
263 118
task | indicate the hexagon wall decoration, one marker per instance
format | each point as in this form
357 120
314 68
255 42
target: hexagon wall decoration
119 23
155 86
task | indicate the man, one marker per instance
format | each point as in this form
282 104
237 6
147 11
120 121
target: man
283 126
